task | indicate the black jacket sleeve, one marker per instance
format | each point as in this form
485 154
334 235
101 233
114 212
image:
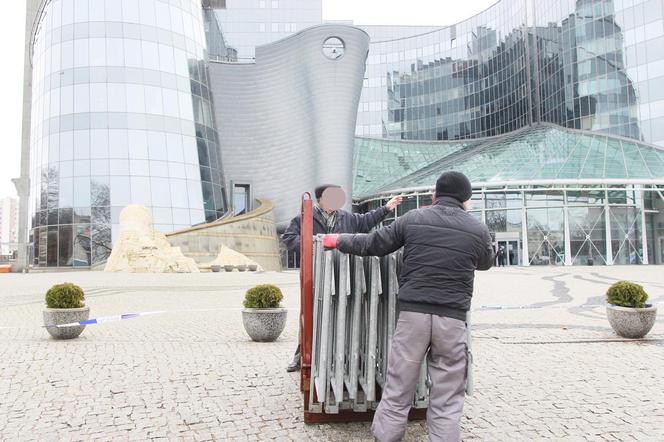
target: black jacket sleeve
380 242
291 236
486 255
364 222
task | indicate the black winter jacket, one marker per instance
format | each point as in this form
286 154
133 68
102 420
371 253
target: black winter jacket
443 246
346 222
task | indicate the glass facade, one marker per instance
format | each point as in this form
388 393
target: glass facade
562 224
250 23
549 195
585 64
121 114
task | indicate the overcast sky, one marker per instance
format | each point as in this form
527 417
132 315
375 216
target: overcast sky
366 12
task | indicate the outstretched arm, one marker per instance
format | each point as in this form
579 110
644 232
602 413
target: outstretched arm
364 222
377 243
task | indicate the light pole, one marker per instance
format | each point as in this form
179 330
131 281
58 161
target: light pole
23 190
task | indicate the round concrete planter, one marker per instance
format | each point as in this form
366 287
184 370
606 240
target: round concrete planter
253 267
264 324
229 268
215 268
241 267
629 322
54 316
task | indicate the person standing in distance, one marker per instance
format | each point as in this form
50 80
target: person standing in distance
330 218
443 246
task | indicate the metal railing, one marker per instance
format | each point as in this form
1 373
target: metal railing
354 318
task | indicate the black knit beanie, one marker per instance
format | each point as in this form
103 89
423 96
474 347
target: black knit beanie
455 185
318 192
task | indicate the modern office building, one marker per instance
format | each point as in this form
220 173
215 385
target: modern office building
551 108
555 109
121 114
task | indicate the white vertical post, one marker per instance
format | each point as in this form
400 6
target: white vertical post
644 234
568 241
607 227
525 258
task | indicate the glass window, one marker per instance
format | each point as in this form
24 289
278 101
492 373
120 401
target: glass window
157 146
153 100
81 144
52 247
147 13
179 195
118 143
140 190
97 51
99 168
101 242
166 59
114 52
81 191
162 198
195 194
138 144
66 192
117 97
135 98
133 53
171 107
98 97
120 190
139 167
150 55
159 169
130 12
99 143
163 15
100 194
174 147
119 167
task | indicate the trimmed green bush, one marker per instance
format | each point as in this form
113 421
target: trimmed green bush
65 295
626 294
263 296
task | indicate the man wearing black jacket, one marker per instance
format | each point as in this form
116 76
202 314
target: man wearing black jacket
443 246
329 218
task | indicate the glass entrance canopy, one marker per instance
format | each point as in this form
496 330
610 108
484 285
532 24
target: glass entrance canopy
549 195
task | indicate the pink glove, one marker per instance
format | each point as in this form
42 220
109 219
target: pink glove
330 241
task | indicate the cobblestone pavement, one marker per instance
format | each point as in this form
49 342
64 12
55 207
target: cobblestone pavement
553 372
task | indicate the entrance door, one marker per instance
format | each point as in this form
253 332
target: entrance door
508 253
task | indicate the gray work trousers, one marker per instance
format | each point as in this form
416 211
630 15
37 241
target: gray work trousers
445 338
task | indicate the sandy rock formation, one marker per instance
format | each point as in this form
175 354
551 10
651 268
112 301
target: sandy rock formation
141 249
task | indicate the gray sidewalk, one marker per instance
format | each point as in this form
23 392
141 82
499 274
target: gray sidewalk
553 372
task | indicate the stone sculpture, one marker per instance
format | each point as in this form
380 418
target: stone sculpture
141 249
228 256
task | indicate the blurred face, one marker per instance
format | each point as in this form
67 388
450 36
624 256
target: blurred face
333 198
466 206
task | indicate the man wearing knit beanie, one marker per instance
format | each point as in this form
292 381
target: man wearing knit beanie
443 245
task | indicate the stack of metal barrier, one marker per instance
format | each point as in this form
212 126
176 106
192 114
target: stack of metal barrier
354 317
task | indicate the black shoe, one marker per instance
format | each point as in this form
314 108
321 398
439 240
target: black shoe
293 366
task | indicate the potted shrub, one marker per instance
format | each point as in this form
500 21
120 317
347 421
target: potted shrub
65 303
628 313
262 317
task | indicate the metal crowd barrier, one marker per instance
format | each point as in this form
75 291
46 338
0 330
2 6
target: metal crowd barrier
354 317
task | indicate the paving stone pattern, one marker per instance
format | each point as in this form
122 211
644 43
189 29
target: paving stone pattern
554 372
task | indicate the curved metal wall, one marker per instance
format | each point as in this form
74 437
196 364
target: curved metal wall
121 114
287 122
